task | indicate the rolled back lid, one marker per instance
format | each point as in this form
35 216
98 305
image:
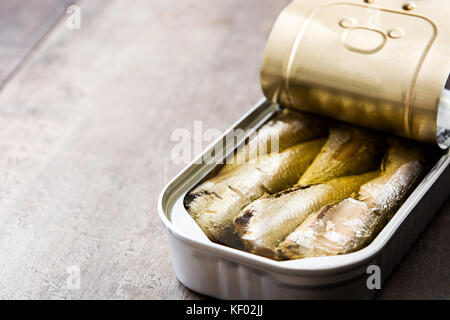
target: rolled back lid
381 64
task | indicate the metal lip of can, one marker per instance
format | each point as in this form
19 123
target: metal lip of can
222 272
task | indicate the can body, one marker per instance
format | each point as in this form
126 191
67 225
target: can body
222 272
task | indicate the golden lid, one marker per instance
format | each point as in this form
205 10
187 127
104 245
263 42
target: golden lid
380 64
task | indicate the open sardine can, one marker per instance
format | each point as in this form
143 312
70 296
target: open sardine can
378 64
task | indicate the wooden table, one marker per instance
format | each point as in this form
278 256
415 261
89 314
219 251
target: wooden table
86 118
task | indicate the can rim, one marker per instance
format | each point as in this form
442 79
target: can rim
311 267
443 117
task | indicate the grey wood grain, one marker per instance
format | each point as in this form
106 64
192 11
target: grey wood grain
86 139
22 25
424 272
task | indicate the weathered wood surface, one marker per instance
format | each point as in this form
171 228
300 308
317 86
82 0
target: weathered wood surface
85 145
23 24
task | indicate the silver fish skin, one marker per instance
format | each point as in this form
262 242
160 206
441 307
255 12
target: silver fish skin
284 130
216 202
348 151
352 223
266 222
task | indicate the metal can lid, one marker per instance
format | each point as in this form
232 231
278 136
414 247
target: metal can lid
380 64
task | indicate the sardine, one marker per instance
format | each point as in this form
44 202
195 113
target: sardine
352 223
215 203
266 222
348 151
286 129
